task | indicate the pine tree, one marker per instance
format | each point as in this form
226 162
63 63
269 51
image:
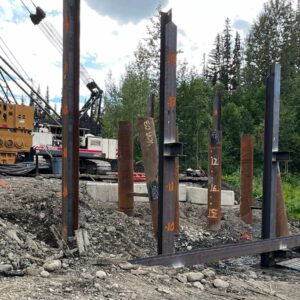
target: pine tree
215 61
226 55
236 63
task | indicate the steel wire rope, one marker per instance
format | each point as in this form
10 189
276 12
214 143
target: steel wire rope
7 56
25 6
14 57
7 86
5 94
58 38
26 83
48 36
55 37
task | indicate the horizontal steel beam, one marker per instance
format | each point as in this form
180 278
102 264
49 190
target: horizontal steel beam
206 255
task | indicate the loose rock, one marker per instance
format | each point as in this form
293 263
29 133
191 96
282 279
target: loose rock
52 266
208 273
219 283
5 268
194 276
45 274
198 285
127 266
101 274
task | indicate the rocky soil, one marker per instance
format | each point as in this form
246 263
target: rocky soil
34 264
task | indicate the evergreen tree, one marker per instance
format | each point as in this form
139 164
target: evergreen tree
226 55
215 61
236 63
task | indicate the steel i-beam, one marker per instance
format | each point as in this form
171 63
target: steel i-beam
70 112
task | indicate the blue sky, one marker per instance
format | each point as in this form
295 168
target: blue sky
110 33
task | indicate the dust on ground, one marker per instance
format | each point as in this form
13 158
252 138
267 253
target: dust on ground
34 266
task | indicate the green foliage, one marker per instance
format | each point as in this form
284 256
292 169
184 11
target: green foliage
290 185
291 194
239 71
194 106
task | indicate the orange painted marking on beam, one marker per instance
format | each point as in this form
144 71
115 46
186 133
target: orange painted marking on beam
66 67
65 153
170 187
172 58
65 110
170 227
67 24
172 101
65 191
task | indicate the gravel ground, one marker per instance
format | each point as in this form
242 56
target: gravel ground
34 265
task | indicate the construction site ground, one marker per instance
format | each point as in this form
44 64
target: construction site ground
34 264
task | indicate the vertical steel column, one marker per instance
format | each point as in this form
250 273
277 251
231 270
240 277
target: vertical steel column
247 142
272 107
125 168
168 148
151 106
214 167
70 112
149 149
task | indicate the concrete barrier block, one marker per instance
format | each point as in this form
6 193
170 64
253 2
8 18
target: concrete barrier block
227 197
182 192
104 192
198 195
108 192
140 188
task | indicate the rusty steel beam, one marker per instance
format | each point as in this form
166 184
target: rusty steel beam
215 254
214 167
125 167
272 108
282 226
148 142
168 147
247 144
70 122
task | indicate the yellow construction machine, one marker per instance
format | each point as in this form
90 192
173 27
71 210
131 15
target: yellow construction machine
16 125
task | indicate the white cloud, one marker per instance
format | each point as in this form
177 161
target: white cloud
110 43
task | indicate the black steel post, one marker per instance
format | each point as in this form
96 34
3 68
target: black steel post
272 107
168 148
70 112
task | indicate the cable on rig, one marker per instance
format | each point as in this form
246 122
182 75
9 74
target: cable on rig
38 18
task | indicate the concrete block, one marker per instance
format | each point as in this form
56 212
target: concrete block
104 192
140 188
227 197
198 195
108 192
182 192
